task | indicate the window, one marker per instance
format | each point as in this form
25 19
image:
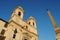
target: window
29 22
56 39
2 37
14 35
19 13
5 25
33 23
15 31
26 36
25 39
2 32
26 27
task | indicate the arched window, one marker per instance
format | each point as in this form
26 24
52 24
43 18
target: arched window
15 31
33 23
26 27
14 35
56 39
26 36
6 25
2 37
25 39
29 22
2 32
19 13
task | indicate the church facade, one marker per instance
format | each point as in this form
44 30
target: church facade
17 28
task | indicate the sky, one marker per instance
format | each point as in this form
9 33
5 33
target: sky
37 9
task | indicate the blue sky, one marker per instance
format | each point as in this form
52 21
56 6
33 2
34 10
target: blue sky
37 9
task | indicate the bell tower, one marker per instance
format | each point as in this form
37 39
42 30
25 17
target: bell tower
31 21
18 11
57 30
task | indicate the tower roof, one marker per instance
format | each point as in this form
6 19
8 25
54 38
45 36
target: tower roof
31 18
19 7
